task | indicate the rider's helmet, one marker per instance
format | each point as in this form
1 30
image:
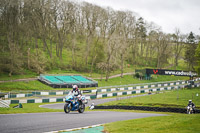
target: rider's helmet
75 88
190 101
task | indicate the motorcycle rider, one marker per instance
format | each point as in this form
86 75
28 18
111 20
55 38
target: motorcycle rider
192 104
75 91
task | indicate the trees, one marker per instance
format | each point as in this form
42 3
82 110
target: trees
90 15
38 61
141 34
197 55
190 51
111 50
178 41
124 24
151 42
63 34
163 51
11 37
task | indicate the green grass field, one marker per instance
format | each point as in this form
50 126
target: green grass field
172 123
96 74
129 79
30 85
29 74
27 108
175 98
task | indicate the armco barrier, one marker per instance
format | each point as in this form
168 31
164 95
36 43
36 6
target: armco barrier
99 95
127 87
36 93
139 91
145 86
105 95
157 109
135 91
44 100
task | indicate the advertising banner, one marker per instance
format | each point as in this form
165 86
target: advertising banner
171 72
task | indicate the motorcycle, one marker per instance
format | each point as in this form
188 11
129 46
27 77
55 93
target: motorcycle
73 103
189 109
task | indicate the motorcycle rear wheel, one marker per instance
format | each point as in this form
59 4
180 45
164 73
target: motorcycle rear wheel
67 108
81 108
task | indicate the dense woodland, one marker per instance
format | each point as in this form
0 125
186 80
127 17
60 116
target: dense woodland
40 35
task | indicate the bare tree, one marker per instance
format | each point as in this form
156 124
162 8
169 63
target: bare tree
102 67
111 49
91 15
162 45
178 47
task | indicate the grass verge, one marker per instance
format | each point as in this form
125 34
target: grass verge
174 98
31 108
174 123
128 79
30 85
28 108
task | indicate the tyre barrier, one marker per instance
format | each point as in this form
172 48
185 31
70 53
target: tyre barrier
145 108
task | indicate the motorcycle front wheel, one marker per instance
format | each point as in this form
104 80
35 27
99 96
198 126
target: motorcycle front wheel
189 111
67 108
81 108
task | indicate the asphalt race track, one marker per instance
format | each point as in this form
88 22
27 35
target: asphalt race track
95 101
45 122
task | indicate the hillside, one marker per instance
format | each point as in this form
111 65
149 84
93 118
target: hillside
63 36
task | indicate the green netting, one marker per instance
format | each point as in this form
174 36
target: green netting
53 79
67 79
82 79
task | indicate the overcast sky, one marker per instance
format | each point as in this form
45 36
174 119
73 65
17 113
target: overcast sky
169 14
